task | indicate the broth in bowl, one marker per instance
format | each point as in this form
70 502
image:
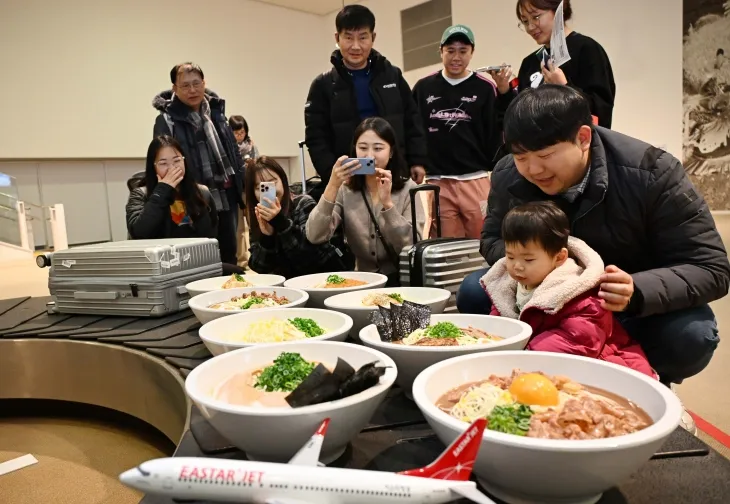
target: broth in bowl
536 405
338 282
290 381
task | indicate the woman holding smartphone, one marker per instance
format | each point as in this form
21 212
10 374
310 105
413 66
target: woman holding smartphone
166 202
278 221
589 69
374 208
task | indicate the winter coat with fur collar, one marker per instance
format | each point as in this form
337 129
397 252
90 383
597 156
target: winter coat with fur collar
565 311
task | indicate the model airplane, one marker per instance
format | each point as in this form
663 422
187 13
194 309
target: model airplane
303 481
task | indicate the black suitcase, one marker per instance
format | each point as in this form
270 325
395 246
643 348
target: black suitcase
438 262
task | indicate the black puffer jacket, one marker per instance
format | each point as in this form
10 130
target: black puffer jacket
641 213
331 113
175 112
150 219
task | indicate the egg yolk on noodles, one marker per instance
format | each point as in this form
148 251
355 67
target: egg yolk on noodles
534 389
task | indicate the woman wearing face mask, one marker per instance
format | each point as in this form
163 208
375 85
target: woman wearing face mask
167 203
589 69
277 230
349 200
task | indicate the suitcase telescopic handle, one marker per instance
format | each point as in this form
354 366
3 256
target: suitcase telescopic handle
425 187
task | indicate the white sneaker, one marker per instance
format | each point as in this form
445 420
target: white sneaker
687 422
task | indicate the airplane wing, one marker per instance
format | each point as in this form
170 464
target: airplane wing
473 494
286 500
308 455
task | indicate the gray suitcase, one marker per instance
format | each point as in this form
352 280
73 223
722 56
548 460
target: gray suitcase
438 262
133 278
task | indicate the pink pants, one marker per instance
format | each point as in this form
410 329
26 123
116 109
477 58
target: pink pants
463 207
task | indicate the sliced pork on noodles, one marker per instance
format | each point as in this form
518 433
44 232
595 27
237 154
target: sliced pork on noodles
541 406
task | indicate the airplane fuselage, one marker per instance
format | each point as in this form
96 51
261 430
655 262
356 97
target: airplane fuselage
257 482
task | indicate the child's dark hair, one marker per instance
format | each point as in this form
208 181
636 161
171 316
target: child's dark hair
542 222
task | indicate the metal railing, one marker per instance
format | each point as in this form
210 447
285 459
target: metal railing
53 214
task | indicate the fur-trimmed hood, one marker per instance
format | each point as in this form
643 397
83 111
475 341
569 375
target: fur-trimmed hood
580 273
163 100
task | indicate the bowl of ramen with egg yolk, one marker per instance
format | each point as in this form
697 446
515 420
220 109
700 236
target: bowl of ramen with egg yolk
560 428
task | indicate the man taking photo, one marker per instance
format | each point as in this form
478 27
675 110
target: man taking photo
362 83
634 205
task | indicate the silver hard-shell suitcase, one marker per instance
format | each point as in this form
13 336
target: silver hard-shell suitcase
135 278
438 262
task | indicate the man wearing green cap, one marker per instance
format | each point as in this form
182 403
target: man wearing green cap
458 109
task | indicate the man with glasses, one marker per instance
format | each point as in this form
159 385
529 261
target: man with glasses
195 116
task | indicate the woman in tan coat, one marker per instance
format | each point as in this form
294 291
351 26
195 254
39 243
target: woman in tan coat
358 202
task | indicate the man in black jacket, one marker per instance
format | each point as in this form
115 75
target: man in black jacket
634 205
361 84
196 117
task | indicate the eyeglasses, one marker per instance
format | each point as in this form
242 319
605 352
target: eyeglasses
191 85
176 161
532 21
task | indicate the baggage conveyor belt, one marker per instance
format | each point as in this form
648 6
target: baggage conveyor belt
138 366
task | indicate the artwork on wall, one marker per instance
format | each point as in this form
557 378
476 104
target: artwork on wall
706 84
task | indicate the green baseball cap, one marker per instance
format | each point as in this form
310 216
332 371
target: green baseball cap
455 30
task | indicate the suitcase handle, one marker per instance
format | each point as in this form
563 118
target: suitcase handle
425 187
83 295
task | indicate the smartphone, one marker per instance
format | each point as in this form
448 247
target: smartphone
367 166
267 190
496 68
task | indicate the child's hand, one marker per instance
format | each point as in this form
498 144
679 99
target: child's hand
617 287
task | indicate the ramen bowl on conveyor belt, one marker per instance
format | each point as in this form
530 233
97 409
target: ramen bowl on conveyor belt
433 338
360 304
560 428
268 399
219 303
321 286
285 325
233 281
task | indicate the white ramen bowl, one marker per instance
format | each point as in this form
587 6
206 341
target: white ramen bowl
524 470
216 283
217 333
350 303
200 304
411 360
317 295
276 434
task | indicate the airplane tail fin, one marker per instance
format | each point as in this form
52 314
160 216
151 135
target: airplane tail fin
456 462
308 455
